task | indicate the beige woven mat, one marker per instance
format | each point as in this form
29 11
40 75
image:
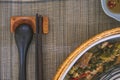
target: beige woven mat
71 23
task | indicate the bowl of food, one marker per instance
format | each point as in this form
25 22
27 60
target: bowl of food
96 59
111 8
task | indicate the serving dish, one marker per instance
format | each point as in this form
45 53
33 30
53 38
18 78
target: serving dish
104 4
95 59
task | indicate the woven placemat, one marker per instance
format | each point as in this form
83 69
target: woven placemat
71 23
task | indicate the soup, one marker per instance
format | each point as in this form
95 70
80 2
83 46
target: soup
114 5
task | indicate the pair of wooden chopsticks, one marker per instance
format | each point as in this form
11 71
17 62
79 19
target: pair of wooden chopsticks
41 27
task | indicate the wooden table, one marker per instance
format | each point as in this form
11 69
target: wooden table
71 23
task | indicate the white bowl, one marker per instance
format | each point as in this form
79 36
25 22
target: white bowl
116 16
110 35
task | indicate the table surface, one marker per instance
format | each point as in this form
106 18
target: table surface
71 22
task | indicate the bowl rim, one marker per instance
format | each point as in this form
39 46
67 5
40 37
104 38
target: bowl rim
78 52
116 16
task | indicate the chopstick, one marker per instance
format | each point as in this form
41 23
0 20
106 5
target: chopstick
38 48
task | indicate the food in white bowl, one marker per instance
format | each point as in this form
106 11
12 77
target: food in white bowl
111 8
113 5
